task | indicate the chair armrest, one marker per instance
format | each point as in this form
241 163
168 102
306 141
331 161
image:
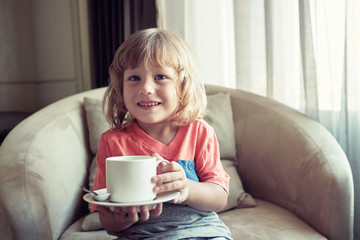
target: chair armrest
291 160
43 163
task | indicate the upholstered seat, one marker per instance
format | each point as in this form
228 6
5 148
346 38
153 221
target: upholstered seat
288 164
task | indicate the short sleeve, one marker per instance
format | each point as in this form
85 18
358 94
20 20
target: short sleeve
208 165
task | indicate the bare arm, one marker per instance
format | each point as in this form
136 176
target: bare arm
206 196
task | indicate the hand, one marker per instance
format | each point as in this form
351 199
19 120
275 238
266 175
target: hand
171 176
119 220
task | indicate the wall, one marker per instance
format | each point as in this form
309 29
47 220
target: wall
39 53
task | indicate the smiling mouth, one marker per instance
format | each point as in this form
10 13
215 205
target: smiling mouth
143 104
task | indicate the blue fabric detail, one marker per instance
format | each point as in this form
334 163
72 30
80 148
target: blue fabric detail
189 168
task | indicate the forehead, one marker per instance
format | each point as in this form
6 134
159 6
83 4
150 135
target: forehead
152 58
152 67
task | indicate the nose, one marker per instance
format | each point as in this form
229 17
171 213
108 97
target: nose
147 86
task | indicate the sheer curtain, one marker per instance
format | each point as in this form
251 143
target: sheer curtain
303 53
196 22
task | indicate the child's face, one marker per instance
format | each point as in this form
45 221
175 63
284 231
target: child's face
150 93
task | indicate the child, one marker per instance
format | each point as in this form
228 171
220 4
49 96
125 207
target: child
155 106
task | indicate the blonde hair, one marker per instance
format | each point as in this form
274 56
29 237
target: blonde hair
165 48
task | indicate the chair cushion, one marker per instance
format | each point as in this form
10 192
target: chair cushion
266 221
219 115
75 232
95 120
237 195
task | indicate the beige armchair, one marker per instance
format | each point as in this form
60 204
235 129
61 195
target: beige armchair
293 168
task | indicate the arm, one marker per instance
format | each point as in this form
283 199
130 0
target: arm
202 195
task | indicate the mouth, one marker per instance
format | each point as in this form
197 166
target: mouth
148 104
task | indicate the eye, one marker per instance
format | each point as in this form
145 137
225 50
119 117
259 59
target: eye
160 77
134 78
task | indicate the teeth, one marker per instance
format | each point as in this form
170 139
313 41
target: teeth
149 104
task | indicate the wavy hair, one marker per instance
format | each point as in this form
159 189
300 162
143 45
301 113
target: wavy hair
164 48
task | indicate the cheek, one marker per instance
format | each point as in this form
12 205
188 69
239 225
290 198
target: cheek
127 98
174 99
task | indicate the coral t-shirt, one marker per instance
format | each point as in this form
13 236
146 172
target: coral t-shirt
194 147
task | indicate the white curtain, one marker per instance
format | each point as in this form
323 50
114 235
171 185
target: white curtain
303 53
201 23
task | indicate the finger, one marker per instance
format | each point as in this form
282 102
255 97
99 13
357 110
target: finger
157 210
105 211
133 216
159 168
119 214
169 177
165 167
144 213
171 186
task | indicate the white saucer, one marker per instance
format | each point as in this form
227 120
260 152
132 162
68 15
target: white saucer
163 197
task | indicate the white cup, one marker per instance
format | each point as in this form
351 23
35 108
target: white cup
128 178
